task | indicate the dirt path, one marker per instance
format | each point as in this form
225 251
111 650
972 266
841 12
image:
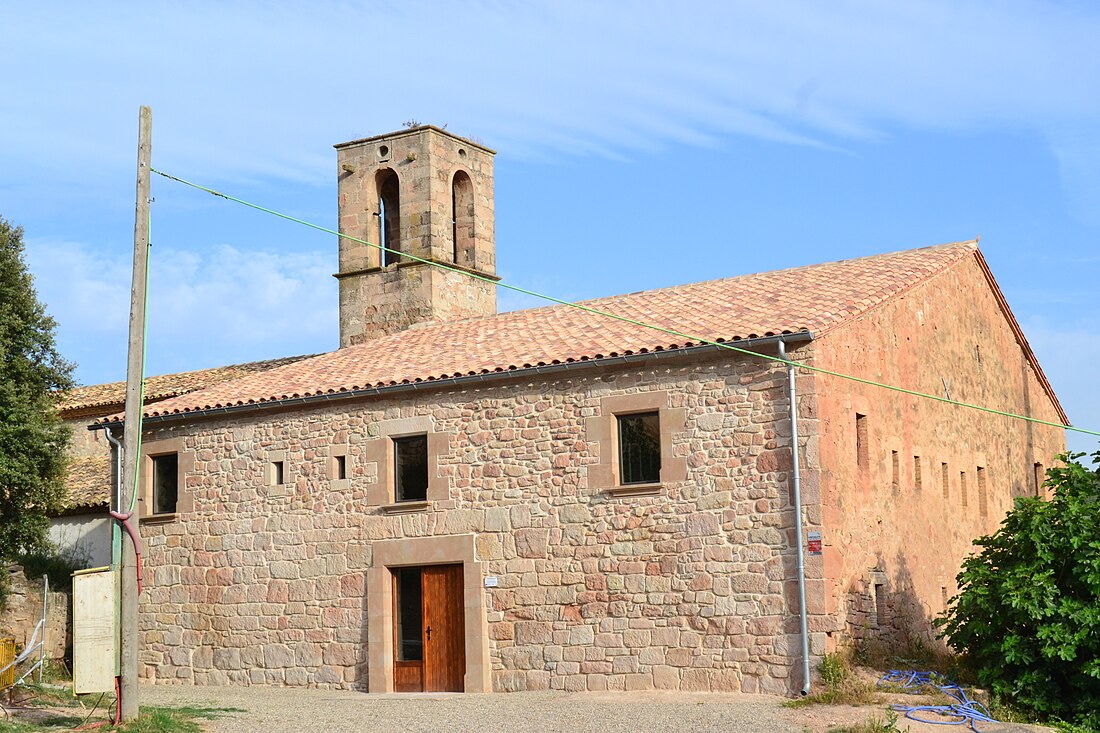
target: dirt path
273 710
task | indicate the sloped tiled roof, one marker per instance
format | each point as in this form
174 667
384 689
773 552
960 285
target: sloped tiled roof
88 482
161 387
816 298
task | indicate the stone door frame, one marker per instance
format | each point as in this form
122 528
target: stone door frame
420 551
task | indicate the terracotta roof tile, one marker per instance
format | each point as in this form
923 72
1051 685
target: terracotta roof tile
816 298
88 481
164 386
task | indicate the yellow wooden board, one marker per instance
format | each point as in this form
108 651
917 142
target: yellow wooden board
95 631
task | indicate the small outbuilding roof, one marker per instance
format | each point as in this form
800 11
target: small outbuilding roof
88 481
107 398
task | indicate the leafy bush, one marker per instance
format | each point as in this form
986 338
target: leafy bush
1028 612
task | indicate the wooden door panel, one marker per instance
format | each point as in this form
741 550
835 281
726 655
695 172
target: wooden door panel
408 676
444 629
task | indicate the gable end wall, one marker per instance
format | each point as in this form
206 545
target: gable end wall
907 539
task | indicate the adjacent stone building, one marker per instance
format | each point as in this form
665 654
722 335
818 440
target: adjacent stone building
555 499
82 530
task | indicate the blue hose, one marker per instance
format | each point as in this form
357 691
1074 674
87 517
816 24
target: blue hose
964 711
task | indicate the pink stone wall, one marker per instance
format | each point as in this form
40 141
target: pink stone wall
692 588
909 536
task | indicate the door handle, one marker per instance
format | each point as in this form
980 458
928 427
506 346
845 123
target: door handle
428 632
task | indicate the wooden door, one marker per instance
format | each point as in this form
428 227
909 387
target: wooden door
444 629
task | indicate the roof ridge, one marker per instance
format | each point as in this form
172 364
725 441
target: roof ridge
964 245
811 298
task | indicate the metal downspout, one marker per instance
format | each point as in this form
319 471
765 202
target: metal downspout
116 533
799 551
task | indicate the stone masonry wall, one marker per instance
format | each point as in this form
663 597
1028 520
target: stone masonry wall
895 537
692 588
23 610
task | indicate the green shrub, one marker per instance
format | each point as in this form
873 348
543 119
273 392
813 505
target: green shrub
1028 612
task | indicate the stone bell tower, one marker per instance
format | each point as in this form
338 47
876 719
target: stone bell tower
422 192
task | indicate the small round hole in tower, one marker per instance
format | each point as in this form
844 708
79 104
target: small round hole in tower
462 152
383 151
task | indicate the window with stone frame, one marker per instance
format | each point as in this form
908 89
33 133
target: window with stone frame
393 491
410 462
639 448
647 443
165 483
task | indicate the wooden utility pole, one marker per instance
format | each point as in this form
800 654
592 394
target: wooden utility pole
135 367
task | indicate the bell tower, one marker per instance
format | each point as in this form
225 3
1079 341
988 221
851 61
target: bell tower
422 192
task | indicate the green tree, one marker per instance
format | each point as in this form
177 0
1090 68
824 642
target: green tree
33 439
1027 615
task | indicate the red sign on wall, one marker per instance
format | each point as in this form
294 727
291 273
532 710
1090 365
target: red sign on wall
813 543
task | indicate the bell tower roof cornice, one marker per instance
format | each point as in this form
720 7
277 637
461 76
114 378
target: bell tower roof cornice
410 131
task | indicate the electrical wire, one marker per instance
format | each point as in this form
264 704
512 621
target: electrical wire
597 311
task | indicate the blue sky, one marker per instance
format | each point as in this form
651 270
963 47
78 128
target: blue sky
639 145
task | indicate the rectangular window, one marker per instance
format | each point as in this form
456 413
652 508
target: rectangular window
276 476
862 456
895 470
639 448
962 488
340 468
945 478
410 468
983 496
165 483
944 597
1040 477
916 474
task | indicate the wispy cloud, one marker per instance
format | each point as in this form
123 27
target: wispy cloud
247 90
228 305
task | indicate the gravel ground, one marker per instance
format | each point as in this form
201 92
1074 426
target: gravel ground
275 709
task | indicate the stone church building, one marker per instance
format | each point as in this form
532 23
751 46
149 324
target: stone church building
457 499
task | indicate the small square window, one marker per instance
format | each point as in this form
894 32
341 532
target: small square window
165 483
410 468
639 448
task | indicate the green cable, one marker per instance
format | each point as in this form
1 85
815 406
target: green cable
596 311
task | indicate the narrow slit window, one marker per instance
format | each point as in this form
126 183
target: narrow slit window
880 604
639 448
389 216
340 469
962 488
1040 476
462 219
945 479
411 468
983 495
277 473
862 455
165 483
945 598
916 474
895 470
